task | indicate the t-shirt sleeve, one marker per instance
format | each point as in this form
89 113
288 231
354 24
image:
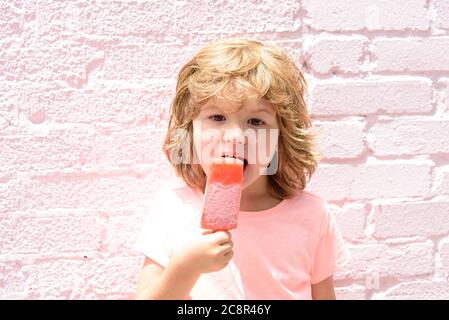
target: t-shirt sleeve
153 240
331 252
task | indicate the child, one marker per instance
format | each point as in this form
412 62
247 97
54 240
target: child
287 245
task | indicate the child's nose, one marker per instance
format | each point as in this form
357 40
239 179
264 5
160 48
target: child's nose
234 135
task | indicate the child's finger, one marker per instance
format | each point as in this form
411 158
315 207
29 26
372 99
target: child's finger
206 231
222 237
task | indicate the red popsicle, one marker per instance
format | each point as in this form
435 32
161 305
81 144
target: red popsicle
221 203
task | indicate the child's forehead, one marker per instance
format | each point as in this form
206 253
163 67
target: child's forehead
228 106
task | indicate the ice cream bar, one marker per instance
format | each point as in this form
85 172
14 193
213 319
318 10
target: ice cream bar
222 195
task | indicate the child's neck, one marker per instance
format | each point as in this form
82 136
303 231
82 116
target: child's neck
256 197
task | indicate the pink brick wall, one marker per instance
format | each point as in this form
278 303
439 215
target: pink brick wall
84 94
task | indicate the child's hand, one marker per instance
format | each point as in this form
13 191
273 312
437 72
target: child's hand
209 252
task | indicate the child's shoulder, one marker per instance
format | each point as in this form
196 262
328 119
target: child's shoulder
310 199
314 206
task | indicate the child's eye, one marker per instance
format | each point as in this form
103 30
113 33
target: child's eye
215 116
258 122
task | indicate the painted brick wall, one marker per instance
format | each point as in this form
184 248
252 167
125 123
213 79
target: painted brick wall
85 88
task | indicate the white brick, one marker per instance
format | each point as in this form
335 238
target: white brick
377 261
122 105
444 256
44 60
57 150
409 137
442 11
354 292
125 148
340 139
419 290
409 219
156 19
12 283
429 54
54 278
351 219
445 94
355 97
25 234
9 201
440 183
114 275
353 15
93 189
142 60
386 179
336 54
82 278
13 16
122 232
8 108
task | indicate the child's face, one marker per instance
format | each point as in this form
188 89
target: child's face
251 133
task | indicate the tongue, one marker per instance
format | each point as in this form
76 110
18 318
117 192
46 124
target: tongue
232 159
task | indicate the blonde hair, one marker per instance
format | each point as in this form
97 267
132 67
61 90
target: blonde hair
235 68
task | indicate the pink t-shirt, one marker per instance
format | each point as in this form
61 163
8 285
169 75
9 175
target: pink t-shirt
278 252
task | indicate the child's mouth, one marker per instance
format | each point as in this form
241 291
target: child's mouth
245 162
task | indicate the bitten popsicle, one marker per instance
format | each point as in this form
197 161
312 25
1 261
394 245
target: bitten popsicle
221 202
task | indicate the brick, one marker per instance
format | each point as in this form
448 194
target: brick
12 281
385 179
442 11
355 97
121 105
54 278
9 201
114 275
138 60
338 54
122 232
53 18
127 148
56 150
25 234
293 48
444 82
410 219
376 261
356 15
109 189
413 137
13 16
444 257
340 139
418 290
413 54
351 219
94 277
158 20
8 107
440 180
354 292
71 60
